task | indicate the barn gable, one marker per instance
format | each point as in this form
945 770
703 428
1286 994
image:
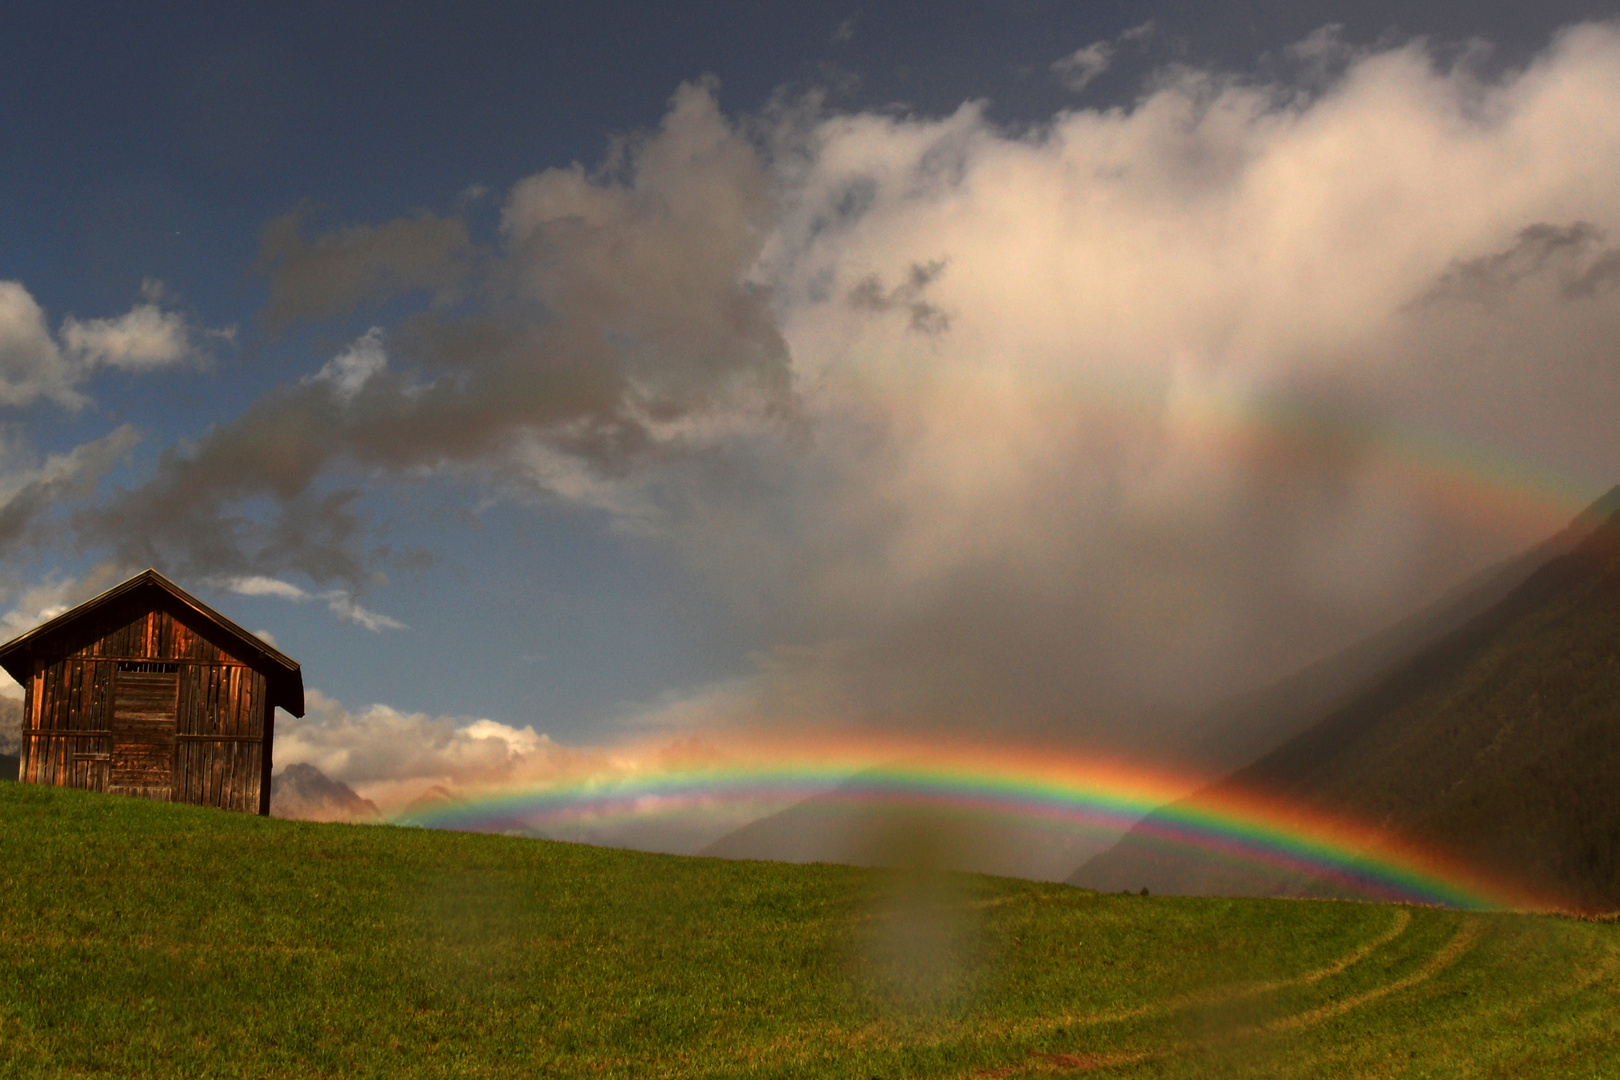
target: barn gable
144 690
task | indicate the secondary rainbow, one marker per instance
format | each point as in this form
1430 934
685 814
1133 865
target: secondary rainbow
1031 786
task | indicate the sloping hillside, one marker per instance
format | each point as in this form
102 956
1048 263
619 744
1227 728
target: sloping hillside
834 828
162 940
1243 728
1499 742
829 828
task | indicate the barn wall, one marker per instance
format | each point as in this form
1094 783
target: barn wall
135 632
219 757
68 696
220 736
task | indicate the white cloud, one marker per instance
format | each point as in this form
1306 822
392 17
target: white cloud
1077 70
31 364
380 750
34 365
33 491
259 585
144 338
393 758
1182 429
347 608
349 371
1080 68
340 603
1140 32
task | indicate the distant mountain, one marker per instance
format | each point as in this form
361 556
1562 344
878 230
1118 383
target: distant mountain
829 829
1245 727
306 793
1498 741
434 798
11 710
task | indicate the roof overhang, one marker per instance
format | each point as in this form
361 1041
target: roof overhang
285 678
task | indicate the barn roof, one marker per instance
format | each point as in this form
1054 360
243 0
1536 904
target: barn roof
282 674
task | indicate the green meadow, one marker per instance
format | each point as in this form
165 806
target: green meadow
155 940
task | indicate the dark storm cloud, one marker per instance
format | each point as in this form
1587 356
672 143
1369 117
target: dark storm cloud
62 477
613 323
1571 254
338 271
869 294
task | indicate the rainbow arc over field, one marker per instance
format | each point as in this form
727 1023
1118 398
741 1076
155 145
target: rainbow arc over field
1031 785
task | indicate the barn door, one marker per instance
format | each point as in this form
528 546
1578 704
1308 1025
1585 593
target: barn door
145 705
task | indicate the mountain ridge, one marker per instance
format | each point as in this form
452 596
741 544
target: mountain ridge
1497 742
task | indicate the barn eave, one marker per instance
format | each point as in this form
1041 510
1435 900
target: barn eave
283 675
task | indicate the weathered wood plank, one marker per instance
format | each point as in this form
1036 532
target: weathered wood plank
182 771
216 764
210 693
64 721
43 773
250 778
238 687
266 757
41 752
201 740
184 754
143 730
255 704
185 722
100 713
27 722
75 697
31 700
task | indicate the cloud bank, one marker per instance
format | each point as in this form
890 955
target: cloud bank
36 365
401 759
1074 426
615 331
1208 403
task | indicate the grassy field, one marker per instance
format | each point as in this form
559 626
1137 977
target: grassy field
143 939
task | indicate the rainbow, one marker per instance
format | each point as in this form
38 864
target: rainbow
1039 787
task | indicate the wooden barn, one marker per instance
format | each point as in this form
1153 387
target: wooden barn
147 691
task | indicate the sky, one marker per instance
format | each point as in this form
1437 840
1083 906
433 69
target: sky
549 379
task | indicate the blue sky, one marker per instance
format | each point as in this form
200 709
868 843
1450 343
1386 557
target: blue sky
624 369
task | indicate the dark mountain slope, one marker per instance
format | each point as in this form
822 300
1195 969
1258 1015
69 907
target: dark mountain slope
1241 729
829 829
1499 742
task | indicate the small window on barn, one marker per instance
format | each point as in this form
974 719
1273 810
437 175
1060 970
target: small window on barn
150 667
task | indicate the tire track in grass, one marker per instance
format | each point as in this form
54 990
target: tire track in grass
1464 939
1589 972
1398 926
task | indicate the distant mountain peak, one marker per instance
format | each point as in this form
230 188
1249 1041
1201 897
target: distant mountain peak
304 792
